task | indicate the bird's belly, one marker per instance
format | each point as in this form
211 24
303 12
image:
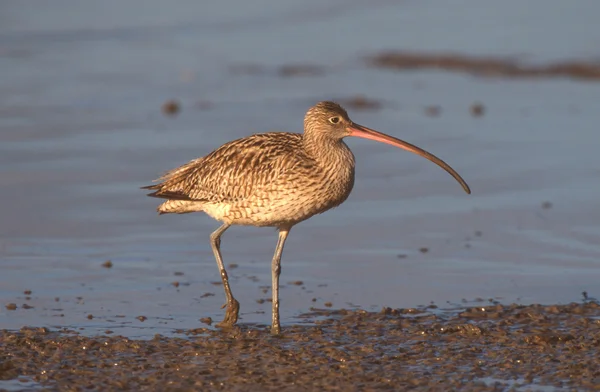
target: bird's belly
277 209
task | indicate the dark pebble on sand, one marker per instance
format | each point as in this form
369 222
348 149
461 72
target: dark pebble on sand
27 292
107 264
206 320
423 250
477 109
171 107
433 111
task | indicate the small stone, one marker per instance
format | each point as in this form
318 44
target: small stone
171 107
206 320
433 111
477 109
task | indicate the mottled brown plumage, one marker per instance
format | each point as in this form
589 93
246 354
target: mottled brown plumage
267 179
273 179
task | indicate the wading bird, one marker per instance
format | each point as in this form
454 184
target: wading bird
274 179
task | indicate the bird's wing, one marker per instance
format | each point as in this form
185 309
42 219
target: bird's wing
234 171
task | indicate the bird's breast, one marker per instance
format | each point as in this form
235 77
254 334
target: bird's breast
328 185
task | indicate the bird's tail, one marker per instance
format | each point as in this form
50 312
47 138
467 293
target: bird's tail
178 207
177 202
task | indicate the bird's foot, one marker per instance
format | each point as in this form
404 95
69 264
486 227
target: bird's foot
276 330
231 314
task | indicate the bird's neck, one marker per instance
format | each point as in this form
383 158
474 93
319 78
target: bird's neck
326 151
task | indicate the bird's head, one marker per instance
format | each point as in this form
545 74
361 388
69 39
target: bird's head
329 121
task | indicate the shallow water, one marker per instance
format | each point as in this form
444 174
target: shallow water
81 87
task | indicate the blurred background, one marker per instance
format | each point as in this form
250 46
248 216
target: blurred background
99 98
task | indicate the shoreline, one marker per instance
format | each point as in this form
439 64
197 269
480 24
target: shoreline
479 348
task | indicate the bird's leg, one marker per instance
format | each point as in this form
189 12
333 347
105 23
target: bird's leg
233 306
275 272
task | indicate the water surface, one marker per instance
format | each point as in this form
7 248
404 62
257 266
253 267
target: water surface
81 130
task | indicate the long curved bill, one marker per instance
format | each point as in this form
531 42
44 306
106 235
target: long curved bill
367 133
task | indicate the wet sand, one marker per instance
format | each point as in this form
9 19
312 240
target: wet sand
490 347
486 66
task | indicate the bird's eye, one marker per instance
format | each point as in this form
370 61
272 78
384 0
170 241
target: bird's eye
334 120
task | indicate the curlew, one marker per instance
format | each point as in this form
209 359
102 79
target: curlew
274 179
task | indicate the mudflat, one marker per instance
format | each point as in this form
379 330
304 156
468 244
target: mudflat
489 347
